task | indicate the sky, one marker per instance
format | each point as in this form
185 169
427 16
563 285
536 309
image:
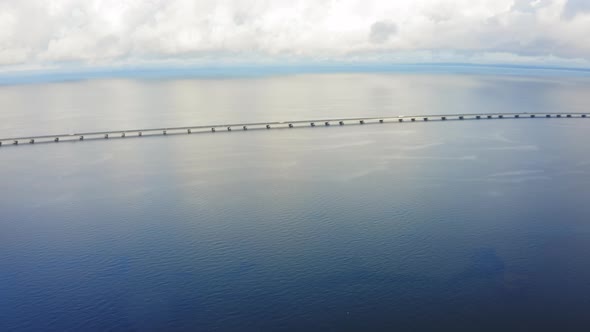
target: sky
65 34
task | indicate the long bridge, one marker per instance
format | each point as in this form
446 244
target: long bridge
278 125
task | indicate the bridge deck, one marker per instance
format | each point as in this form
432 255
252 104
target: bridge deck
283 124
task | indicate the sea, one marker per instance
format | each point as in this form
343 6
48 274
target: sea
479 225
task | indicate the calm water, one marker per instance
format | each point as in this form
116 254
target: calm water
471 225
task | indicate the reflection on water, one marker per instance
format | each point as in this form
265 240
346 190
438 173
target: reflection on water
413 226
124 103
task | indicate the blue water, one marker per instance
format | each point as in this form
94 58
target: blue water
457 225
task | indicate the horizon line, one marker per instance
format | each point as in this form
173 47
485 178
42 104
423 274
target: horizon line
245 70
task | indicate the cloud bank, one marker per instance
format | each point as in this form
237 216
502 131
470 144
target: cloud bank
54 33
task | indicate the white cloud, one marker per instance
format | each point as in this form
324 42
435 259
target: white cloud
111 32
382 31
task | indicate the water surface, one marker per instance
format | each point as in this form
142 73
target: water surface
458 225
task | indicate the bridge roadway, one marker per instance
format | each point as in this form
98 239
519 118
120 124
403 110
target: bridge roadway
279 124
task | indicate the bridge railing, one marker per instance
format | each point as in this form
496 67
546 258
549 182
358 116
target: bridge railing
277 124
